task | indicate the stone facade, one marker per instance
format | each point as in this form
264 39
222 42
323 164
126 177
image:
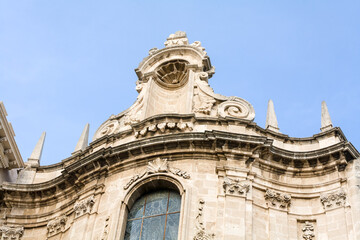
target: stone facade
236 179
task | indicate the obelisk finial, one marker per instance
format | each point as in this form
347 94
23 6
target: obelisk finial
34 159
326 123
271 120
83 140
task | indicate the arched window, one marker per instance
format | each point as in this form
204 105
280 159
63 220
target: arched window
154 215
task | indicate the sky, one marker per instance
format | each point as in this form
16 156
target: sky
67 63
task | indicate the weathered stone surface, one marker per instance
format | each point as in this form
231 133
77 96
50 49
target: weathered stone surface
236 180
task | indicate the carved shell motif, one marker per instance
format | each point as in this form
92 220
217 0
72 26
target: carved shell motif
172 73
107 129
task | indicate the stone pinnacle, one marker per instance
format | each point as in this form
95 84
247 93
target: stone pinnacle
271 120
326 123
83 140
34 159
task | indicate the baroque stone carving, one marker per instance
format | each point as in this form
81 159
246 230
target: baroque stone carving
333 199
308 231
84 206
233 108
177 39
280 200
104 235
201 232
172 74
56 225
161 127
157 166
235 186
11 233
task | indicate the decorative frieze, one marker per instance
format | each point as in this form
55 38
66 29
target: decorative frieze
57 225
277 199
333 199
308 232
157 166
235 186
11 233
161 127
84 206
201 232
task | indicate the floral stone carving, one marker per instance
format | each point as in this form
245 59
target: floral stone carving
56 225
308 231
11 233
157 166
276 199
333 199
201 232
235 186
84 206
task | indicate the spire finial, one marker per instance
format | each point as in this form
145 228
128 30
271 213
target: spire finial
83 140
326 123
271 121
34 159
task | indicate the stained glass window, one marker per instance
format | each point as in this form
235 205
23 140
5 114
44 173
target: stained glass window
154 216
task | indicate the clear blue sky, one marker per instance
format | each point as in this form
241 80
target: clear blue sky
66 63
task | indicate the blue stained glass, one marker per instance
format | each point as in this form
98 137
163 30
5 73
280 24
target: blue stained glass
153 228
137 209
132 231
172 226
156 203
174 202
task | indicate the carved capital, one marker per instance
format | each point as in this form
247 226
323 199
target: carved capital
235 186
276 199
57 225
333 199
84 206
11 233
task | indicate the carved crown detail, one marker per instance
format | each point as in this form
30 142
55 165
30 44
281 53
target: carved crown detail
276 199
333 199
11 233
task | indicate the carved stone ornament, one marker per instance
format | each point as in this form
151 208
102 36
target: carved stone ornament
235 186
11 233
157 166
84 206
108 128
56 225
162 127
105 234
201 232
177 39
333 199
308 231
237 109
276 199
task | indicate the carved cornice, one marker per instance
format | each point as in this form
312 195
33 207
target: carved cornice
333 199
157 166
11 233
276 199
56 226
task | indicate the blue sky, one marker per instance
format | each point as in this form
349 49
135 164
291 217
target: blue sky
67 63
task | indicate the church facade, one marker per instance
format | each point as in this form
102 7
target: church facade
184 163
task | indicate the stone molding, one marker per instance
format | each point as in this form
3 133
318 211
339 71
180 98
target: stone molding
11 233
308 231
333 199
56 226
201 233
157 166
235 187
276 199
84 207
105 233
